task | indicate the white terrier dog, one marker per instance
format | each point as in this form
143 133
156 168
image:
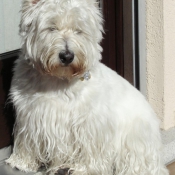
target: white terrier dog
72 112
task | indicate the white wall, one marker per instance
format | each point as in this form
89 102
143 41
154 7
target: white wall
9 22
161 59
155 56
169 64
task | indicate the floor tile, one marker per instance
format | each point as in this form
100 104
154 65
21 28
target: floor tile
171 168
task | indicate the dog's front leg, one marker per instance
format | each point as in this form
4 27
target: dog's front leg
23 161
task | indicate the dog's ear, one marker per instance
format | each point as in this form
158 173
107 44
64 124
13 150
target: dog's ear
29 11
94 2
30 2
35 1
97 4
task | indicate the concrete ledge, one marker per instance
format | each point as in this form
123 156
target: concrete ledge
168 139
5 153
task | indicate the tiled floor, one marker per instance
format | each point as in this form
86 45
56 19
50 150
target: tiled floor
171 168
7 170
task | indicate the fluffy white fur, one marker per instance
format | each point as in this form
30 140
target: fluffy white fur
102 126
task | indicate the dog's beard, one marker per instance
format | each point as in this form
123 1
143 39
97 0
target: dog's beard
50 65
66 72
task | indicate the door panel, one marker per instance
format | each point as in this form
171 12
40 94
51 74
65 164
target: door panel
113 38
118 39
109 42
6 109
128 41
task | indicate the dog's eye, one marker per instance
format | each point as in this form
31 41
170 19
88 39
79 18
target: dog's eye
53 28
78 32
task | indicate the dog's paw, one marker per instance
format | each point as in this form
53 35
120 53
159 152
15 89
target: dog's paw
64 171
23 164
40 173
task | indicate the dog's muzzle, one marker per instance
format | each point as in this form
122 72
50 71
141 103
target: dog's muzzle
66 57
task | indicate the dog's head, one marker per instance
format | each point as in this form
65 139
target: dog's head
61 37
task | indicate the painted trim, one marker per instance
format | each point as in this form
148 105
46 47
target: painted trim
168 140
10 54
142 46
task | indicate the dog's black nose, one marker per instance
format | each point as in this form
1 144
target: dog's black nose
66 56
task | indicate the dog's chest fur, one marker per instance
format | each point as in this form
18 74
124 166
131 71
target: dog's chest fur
62 116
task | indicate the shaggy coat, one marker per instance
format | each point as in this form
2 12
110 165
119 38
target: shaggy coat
96 124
